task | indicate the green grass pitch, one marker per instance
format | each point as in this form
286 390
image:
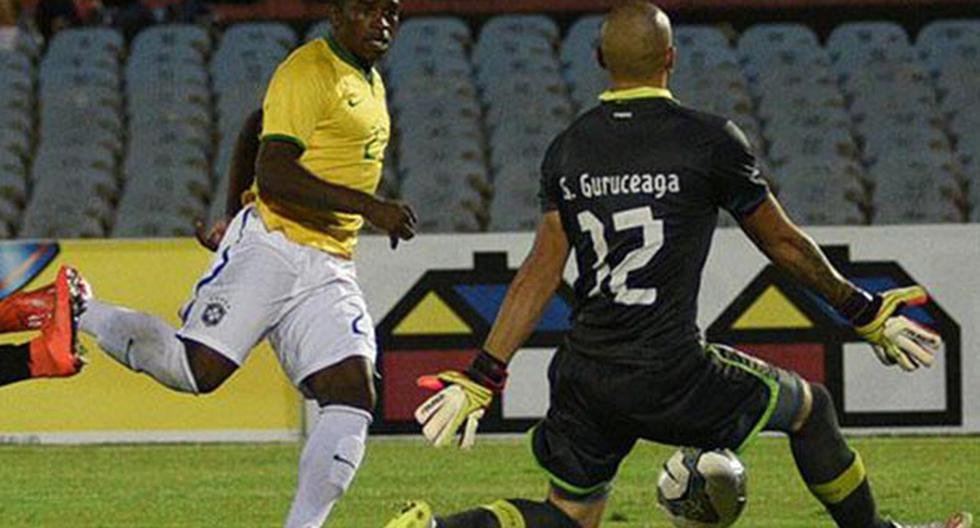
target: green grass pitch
916 479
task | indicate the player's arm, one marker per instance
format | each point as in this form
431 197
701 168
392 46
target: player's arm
241 172
296 193
240 176
896 339
531 290
742 191
464 396
795 252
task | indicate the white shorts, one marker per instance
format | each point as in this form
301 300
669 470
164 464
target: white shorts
261 284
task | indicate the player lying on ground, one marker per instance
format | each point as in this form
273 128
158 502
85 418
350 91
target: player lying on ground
54 310
284 267
634 186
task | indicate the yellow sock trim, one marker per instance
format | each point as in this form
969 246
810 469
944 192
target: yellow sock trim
507 514
835 491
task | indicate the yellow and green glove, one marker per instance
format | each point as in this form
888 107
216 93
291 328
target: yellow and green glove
896 339
461 401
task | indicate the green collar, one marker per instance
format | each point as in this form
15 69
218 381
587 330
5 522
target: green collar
348 57
643 92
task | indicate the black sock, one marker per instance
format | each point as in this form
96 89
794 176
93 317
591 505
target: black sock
15 363
535 514
476 518
834 473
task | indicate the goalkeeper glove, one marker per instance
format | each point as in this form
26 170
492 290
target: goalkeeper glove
895 339
462 400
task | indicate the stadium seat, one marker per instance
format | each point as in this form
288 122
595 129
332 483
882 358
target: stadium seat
807 119
86 191
510 213
427 29
800 99
90 41
822 193
449 206
766 60
15 87
152 224
406 59
14 40
10 214
515 198
954 41
318 30
145 72
581 40
15 66
501 26
57 159
968 147
888 143
60 223
13 184
431 68
17 118
171 38
829 145
257 36
71 62
964 98
865 34
848 61
15 141
424 152
921 101
694 37
764 40
148 196
453 90
908 198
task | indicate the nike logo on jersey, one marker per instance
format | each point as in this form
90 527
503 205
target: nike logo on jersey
353 102
343 460
129 353
354 328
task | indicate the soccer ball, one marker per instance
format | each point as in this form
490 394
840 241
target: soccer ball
702 489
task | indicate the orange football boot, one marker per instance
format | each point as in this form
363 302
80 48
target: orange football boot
24 311
56 353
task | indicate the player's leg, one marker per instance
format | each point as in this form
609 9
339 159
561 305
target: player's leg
833 471
54 353
142 343
335 447
513 513
762 397
15 363
768 398
327 347
233 305
579 444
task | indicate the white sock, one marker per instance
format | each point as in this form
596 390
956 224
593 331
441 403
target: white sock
141 342
330 458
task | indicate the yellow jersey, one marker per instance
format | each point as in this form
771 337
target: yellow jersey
322 100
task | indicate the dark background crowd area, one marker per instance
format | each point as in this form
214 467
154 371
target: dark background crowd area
48 17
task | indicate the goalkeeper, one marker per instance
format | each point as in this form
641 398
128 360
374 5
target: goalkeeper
632 366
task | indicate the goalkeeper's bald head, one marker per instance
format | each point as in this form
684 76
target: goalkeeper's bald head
636 43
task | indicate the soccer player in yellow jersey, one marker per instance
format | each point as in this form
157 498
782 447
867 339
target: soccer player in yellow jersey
283 267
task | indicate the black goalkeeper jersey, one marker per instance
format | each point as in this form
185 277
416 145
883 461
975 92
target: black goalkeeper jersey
638 182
